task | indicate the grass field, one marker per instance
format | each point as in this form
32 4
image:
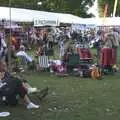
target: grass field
72 98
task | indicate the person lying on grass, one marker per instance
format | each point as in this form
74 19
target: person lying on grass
11 87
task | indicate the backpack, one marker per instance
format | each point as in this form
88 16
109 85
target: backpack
8 92
96 73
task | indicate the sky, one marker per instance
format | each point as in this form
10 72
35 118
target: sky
94 10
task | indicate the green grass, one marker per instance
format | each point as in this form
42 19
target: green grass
72 98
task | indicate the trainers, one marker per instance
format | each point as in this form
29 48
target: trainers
32 90
32 106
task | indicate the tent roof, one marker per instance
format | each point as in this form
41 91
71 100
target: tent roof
109 21
26 15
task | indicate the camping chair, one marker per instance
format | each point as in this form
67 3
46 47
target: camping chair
73 62
85 55
43 62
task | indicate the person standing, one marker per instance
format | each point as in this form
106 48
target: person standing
3 46
61 44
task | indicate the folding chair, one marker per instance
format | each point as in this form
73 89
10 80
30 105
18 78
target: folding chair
43 62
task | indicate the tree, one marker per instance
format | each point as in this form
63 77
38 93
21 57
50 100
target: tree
110 7
76 7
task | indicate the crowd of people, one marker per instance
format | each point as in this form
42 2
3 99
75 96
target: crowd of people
44 40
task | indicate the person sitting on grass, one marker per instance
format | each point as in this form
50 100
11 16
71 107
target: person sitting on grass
11 87
23 54
57 67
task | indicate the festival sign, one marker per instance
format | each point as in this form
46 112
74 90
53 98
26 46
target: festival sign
45 22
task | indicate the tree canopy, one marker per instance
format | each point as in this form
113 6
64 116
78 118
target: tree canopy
76 7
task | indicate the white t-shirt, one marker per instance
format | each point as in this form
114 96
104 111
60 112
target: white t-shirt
25 55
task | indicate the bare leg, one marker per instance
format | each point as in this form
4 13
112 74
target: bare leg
26 100
29 88
29 104
26 85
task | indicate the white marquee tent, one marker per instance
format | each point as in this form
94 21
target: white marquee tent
109 21
26 15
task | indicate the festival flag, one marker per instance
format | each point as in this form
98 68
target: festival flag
106 9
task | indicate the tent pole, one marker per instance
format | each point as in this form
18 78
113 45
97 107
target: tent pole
9 39
115 8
